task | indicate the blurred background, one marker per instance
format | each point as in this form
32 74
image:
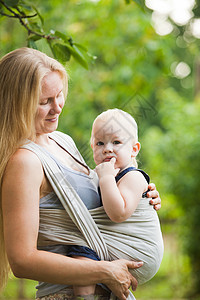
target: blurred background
148 64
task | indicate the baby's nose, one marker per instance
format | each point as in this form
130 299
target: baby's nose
108 148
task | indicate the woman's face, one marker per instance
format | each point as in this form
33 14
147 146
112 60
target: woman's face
50 104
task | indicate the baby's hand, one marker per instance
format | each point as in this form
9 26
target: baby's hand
107 168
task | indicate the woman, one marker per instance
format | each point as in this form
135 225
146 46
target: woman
32 92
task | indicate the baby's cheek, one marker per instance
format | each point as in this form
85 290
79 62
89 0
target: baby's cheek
96 158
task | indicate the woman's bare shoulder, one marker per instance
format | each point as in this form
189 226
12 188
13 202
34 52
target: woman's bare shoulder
24 157
24 163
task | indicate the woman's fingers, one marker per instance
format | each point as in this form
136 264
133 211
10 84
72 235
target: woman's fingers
121 279
152 191
134 283
152 186
157 207
126 293
154 195
156 202
133 265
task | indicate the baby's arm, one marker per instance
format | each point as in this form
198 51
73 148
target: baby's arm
120 200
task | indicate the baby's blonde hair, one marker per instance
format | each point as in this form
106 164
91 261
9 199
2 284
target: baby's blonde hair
126 121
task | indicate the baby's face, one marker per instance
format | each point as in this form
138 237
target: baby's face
111 139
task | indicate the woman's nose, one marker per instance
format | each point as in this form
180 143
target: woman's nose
56 107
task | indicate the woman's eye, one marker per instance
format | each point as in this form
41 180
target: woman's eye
99 143
44 102
60 94
116 142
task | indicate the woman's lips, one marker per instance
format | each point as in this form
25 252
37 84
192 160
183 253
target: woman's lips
52 119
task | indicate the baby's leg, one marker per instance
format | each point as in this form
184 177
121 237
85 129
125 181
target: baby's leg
86 289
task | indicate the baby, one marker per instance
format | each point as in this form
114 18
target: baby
115 145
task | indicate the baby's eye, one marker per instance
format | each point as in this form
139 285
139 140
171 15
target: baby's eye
116 142
99 143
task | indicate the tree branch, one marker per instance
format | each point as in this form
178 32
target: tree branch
16 17
20 17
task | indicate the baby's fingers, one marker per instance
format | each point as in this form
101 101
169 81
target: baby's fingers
113 160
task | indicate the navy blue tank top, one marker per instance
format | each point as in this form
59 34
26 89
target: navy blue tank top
122 173
146 176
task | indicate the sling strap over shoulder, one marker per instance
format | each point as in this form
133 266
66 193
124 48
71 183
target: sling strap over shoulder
70 200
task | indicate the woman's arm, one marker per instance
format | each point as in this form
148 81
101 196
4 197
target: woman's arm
20 202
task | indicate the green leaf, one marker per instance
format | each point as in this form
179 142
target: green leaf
63 36
32 44
74 51
140 3
12 3
79 56
80 47
73 48
89 55
38 13
26 6
34 37
92 57
35 26
61 52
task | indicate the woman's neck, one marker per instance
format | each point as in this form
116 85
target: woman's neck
42 140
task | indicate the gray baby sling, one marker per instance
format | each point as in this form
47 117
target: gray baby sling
137 238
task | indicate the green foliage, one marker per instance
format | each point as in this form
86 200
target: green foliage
19 289
131 68
176 151
61 45
139 2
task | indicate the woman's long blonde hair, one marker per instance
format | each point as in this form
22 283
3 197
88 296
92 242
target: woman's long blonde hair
21 75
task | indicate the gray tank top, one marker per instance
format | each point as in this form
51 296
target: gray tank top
87 188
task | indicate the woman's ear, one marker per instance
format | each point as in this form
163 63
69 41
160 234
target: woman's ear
136 149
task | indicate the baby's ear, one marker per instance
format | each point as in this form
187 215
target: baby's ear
136 149
91 142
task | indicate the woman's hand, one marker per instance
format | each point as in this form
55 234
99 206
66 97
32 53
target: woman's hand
154 194
121 279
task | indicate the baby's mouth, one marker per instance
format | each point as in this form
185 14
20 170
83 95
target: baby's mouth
108 158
